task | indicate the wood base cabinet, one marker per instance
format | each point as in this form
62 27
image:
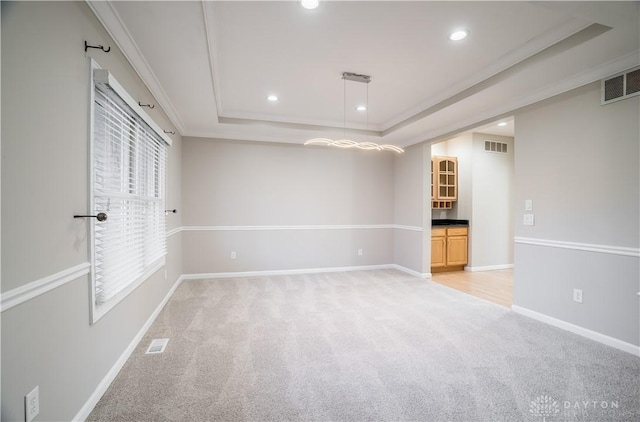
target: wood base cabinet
449 249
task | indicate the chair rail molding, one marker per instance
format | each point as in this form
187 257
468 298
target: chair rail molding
19 295
299 227
589 247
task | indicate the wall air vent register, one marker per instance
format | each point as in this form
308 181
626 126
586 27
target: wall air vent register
493 146
621 86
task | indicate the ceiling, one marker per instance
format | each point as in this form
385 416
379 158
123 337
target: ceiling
212 64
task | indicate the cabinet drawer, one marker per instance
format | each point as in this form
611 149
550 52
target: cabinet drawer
438 232
457 231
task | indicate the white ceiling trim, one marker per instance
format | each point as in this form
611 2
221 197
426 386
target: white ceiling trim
308 123
587 33
230 135
111 21
241 132
531 48
212 50
583 78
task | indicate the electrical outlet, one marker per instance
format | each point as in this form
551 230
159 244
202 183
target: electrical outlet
359 252
577 295
32 404
233 254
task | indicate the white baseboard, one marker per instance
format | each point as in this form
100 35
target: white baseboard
236 274
86 409
410 271
489 267
584 332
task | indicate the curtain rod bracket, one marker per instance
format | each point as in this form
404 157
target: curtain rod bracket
99 47
100 217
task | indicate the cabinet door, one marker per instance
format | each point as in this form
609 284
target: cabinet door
445 178
438 250
432 182
457 250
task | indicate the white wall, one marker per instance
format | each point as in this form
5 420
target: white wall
579 163
491 231
461 148
485 198
48 341
280 187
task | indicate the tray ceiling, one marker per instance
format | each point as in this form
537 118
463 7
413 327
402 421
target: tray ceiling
212 64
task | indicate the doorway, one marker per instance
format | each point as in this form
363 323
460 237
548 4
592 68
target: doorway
485 193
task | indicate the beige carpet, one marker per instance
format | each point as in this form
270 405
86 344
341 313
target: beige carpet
356 346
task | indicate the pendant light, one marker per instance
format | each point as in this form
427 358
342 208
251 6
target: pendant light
348 143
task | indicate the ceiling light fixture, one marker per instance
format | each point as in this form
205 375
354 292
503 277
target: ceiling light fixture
502 124
309 4
347 143
361 108
458 35
272 98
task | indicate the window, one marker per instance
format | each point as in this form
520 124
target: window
128 160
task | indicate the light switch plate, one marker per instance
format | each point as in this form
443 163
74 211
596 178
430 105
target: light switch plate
528 220
528 205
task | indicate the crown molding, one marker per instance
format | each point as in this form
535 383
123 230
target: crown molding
528 50
110 19
580 79
212 51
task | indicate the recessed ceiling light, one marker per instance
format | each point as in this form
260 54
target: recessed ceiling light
502 124
361 108
309 4
272 98
458 35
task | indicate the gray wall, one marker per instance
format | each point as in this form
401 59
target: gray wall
48 341
412 249
240 185
578 162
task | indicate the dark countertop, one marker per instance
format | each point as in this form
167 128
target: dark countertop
449 222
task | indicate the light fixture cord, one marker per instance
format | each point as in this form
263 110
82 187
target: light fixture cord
367 126
344 107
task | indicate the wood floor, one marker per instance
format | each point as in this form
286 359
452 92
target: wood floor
495 286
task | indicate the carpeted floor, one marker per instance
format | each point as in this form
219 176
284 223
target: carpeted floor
361 346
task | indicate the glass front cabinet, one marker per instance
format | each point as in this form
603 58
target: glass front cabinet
444 182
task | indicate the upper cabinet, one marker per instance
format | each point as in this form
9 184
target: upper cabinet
444 181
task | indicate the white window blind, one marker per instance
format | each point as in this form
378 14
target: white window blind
128 165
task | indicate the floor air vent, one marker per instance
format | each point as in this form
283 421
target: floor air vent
493 146
157 346
621 86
